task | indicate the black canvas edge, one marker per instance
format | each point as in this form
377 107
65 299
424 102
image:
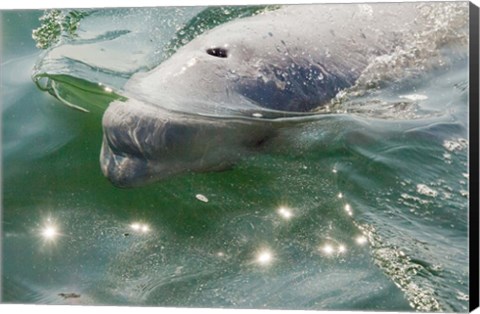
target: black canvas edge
474 158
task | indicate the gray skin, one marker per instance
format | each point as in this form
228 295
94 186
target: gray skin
230 89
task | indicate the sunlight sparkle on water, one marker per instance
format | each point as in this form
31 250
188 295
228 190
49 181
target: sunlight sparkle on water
140 227
135 226
264 257
285 212
361 240
328 249
49 232
348 209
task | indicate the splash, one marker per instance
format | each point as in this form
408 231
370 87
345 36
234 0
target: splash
57 24
446 27
441 43
405 273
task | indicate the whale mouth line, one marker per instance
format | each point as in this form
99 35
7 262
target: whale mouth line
267 115
254 113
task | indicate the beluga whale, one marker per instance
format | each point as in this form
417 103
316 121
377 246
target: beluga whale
230 89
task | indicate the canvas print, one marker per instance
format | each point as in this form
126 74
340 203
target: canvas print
308 156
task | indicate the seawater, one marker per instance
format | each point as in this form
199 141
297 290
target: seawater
355 211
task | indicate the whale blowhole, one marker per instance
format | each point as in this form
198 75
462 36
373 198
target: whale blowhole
218 52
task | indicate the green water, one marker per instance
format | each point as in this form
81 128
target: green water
374 210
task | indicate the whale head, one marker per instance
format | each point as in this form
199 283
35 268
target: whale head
251 63
214 99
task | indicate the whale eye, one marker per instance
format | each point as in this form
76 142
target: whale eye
218 52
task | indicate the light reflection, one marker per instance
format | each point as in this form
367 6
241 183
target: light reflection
139 227
285 212
135 226
328 249
264 257
361 240
49 232
340 195
348 209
